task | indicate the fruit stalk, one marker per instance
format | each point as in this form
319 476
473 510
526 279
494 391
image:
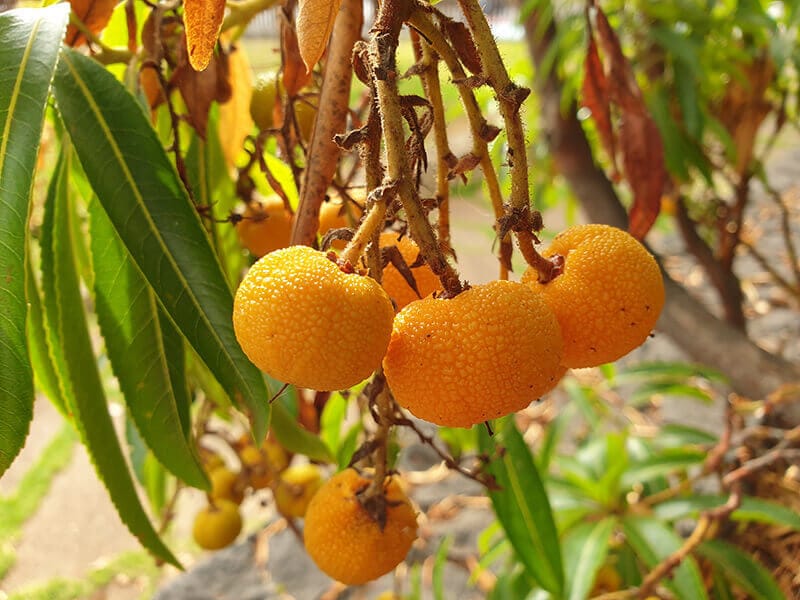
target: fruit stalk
331 119
381 55
370 225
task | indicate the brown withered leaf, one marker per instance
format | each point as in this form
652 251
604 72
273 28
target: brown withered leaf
295 75
596 99
234 115
392 255
202 20
94 14
643 161
622 89
464 45
315 20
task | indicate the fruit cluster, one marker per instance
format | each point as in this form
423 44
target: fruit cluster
219 522
485 353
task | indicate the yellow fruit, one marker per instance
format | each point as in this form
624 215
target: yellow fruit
254 464
488 352
265 226
263 101
225 485
217 525
607 580
306 114
295 489
306 322
395 284
344 539
609 296
276 454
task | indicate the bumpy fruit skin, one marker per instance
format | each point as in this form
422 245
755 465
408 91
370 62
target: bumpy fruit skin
217 525
304 321
609 296
265 226
488 352
345 541
394 283
295 489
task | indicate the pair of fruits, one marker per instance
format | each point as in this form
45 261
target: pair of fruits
266 224
487 352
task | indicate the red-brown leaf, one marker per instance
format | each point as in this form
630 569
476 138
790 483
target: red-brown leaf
202 20
295 75
643 160
462 41
622 87
315 20
597 100
95 14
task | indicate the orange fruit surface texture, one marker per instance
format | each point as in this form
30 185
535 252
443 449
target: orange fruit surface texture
266 225
395 284
304 321
345 541
488 352
609 296
217 525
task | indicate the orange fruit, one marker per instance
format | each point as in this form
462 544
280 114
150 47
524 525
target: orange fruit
217 525
295 489
225 485
306 322
609 296
266 225
344 539
486 353
395 284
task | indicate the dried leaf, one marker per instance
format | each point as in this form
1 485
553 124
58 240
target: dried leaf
94 14
315 20
464 45
643 160
597 100
295 75
234 115
202 20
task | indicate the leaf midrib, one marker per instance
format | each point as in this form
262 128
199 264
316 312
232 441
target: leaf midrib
140 200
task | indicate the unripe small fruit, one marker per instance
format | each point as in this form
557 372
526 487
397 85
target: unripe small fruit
295 489
264 99
217 525
225 485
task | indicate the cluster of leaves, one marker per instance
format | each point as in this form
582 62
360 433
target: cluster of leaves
620 501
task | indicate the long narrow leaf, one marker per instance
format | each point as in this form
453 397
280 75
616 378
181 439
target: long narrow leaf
752 509
140 191
128 316
653 541
742 569
522 506
79 376
29 42
585 549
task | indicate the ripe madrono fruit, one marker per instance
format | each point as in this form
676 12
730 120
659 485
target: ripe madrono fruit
306 322
488 352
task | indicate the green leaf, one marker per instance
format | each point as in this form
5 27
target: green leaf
754 510
128 316
585 549
78 374
175 353
439 562
296 439
675 371
150 211
43 368
653 541
646 391
669 461
522 506
331 420
672 435
29 43
742 569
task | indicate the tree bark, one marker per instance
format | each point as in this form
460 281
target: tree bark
707 339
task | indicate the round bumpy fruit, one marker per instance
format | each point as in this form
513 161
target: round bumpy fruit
346 541
295 489
486 353
217 525
265 226
306 322
395 284
609 296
